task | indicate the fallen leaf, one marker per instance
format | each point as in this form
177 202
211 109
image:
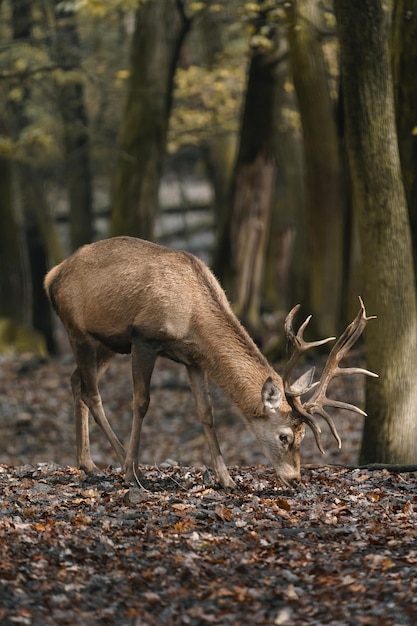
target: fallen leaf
225 514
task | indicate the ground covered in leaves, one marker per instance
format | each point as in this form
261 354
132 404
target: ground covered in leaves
343 550
340 551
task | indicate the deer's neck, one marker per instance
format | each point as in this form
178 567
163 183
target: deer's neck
233 361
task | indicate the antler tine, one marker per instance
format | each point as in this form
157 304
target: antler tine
350 335
318 400
342 346
347 371
300 346
344 405
311 422
329 420
304 384
307 419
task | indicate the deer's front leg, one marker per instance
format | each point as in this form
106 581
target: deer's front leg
143 362
199 386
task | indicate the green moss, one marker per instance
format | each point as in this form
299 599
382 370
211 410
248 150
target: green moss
18 338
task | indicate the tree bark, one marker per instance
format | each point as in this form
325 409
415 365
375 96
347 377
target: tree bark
246 235
286 262
161 26
35 218
13 290
76 136
404 55
324 203
390 433
254 182
219 149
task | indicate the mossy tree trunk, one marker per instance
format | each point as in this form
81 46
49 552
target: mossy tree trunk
324 201
390 433
245 237
404 55
13 264
38 228
161 26
286 261
70 91
219 150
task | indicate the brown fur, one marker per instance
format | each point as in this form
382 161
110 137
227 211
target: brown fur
124 294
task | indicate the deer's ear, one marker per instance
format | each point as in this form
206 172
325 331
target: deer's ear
271 394
304 383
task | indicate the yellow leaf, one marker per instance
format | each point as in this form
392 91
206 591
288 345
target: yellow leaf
252 6
197 6
81 520
123 74
184 526
15 94
21 64
387 564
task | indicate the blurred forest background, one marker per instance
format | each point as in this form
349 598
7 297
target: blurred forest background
275 139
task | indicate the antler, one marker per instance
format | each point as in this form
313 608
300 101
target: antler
319 399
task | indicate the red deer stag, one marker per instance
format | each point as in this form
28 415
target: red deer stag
123 295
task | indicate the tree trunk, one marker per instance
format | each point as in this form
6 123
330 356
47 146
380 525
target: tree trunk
390 434
286 261
254 182
404 54
219 149
325 207
246 235
36 220
13 289
77 144
160 29
38 233
220 157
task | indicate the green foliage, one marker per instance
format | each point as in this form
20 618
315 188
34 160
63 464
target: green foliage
18 338
209 88
207 97
207 103
29 67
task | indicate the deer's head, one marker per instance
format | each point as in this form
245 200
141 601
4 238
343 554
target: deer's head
281 428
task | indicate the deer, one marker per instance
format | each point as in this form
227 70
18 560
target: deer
127 295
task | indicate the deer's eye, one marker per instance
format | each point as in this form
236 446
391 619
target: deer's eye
283 438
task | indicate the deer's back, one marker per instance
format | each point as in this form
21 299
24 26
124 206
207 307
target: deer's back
119 284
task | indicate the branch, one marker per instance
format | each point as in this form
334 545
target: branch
25 74
390 467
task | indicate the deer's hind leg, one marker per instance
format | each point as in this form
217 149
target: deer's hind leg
92 361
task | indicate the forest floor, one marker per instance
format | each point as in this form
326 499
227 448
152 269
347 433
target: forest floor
342 550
